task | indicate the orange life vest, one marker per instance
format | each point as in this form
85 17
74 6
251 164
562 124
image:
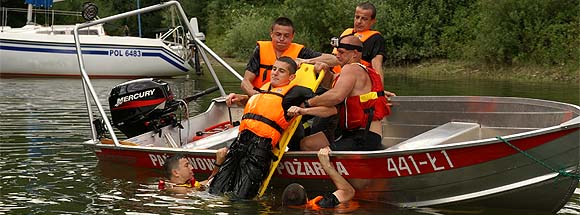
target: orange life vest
362 36
268 57
342 207
191 183
313 203
264 114
358 111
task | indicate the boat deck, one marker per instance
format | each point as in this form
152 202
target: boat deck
416 119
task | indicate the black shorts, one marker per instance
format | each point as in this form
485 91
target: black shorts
355 140
326 125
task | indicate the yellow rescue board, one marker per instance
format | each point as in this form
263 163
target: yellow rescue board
305 76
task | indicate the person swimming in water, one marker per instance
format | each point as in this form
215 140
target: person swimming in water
295 194
181 176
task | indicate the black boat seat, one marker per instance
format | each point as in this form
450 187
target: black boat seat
447 133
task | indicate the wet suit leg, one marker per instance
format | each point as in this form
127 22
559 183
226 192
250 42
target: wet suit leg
245 167
223 181
253 168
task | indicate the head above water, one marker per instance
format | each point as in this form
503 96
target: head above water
294 195
177 169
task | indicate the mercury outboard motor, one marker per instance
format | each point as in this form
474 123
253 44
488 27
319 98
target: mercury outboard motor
142 105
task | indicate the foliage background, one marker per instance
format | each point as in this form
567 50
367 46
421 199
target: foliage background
484 32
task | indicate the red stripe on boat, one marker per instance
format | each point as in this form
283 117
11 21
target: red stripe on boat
142 103
352 167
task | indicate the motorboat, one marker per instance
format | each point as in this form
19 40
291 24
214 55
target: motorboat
439 151
49 51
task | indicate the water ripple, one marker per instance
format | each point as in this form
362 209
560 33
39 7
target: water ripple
44 168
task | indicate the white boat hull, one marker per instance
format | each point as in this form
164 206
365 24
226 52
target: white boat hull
105 56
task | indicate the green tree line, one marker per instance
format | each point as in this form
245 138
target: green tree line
507 32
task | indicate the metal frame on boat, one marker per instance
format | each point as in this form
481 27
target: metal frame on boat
439 150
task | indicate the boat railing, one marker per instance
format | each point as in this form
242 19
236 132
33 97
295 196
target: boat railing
175 31
89 91
50 12
178 42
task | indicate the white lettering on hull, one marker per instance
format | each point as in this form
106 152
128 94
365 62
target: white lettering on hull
400 166
307 168
197 163
125 53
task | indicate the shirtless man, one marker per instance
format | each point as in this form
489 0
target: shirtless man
359 96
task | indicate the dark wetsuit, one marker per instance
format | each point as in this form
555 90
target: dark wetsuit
248 160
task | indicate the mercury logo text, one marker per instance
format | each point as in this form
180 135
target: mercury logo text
134 96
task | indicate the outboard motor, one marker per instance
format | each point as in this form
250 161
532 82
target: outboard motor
142 105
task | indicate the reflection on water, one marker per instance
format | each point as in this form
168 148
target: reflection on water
45 169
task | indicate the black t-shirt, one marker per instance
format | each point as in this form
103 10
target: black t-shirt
254 63
295 97
328 201
373 46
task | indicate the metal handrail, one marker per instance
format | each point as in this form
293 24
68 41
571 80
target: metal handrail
166 34
88 87
177 40
44 11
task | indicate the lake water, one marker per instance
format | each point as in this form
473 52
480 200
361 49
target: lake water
44 169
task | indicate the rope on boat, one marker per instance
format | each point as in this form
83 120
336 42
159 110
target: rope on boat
561 172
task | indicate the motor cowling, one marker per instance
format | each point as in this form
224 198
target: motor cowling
142 105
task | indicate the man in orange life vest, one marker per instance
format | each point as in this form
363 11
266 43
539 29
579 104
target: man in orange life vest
359 95
264 120
373 54
181 176
295 195
266 52
373 43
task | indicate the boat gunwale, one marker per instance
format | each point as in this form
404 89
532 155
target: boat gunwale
574 123
342 154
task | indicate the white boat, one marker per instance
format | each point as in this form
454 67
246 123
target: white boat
35 50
